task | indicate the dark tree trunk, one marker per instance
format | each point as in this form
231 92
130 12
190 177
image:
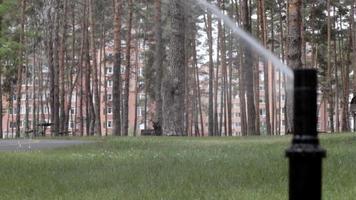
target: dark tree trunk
158 61
20 69
55 87
208 27
62 68
248 71
174 90
96 94
263 36
117 70
127 73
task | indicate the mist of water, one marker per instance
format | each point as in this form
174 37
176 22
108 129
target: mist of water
249 40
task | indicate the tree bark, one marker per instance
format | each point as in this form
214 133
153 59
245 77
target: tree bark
329 94
127 72
55 107
174 90
20 69
208 25
117 70
62 68
97 99
248 71
157 65
294 52
263 36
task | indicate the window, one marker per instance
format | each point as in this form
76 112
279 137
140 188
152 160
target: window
109 83
22 110
109 70
140 71
141 96
109 110
109 97
72 111
71 124
45 110
139 111
109 124
29 110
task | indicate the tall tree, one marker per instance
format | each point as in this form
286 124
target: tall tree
127 71
263 36
174 90
55 105
294 51
248 73
158 62
97 113
117 69
208 27
329 94
20 68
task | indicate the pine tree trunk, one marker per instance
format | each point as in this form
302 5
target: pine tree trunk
208 27
34 91
20 69
248 71
97 100
294 52
199 109
62 68
174 90
329 94
105 89
137 89
80 89
217 119
337 92
263 36
157 65
117 70
125 110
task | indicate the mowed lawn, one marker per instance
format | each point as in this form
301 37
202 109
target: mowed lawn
172 168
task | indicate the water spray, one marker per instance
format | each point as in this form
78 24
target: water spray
245 37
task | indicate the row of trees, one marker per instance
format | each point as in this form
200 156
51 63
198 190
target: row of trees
70 39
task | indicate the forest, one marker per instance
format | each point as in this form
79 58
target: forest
115 67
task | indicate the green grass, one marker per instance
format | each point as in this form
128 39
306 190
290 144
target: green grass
172 168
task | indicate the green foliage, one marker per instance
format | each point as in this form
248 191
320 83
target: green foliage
6 6
9 45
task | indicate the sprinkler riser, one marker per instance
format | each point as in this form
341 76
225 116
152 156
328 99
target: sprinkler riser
305 154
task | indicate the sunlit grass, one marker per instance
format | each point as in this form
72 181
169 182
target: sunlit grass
171 168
